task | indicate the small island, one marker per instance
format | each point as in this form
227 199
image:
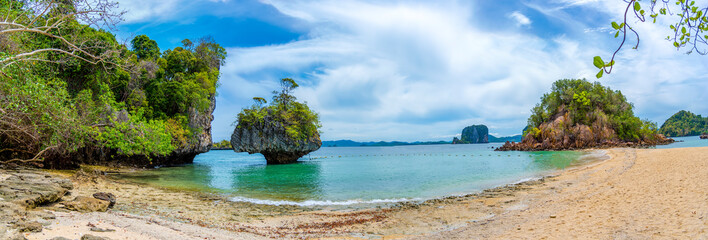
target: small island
577 114
684 123
473 134
283 131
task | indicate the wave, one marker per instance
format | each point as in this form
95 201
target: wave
310 203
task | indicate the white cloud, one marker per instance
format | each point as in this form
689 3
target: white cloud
141 10
521 19
418 71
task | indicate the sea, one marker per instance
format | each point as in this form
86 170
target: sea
348 176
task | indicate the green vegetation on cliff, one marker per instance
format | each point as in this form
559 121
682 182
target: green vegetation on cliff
298 120
590 104
75 87
684 123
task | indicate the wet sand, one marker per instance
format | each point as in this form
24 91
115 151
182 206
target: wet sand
636 194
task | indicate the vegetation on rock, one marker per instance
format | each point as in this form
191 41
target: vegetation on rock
580 114
224 144
298 120
283 131
684 123
88 93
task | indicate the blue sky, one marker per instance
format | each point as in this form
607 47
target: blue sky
421 70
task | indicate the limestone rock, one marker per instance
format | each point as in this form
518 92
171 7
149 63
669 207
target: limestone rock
560 134
270 139
106 197
92 237
31 189
473 134
87 204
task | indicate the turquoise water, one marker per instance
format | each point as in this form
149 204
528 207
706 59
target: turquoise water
683 142
352 175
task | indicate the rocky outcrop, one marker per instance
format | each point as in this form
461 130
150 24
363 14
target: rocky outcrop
31 189
87 204
561 134
704 136
473 134
269 138
199 143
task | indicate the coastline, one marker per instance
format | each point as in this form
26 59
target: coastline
523 210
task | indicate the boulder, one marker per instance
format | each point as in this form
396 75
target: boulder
270 138
87 204
31 189
704 136
106 197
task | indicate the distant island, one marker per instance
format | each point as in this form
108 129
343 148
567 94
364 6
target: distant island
350 143
684 123
473 134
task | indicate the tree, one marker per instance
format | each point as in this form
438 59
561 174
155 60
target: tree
59 22
145 48
689 29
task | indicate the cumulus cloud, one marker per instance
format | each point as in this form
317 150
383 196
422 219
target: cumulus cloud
521 19
423 71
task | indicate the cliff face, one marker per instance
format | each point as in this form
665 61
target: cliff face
473 134
270 139
199 143
561 134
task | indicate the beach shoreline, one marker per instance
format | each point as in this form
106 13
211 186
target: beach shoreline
514 211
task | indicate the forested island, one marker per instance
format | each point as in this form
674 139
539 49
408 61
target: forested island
684 123
577 114
70 93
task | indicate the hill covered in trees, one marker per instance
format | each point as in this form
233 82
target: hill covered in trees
684 123
578 114
71 93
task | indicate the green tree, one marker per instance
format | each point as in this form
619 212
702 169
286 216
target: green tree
145 48
689 28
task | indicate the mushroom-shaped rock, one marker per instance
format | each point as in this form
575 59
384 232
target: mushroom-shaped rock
271 139
283 131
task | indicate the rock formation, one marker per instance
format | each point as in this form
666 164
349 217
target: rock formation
559 134
199 143
473 134
269 138
704 136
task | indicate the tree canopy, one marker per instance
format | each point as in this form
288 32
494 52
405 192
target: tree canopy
590 104
684 123
298 120
66 85
689 27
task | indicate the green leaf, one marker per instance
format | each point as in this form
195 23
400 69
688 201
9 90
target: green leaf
615 25
617 34
637 7
597 61
676 44
599 74
641 12
683 30
610 64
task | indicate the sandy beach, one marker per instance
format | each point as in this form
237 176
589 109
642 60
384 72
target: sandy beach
634 194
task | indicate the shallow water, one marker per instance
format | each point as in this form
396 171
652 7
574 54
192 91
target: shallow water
352 175
683 142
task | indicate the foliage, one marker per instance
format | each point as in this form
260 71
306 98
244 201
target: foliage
222 145
136 101
684 123
298 120
589 104
689 29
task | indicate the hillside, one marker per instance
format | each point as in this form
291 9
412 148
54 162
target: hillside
578 114
684 123
100 101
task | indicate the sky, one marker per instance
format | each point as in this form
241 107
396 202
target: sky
422 70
